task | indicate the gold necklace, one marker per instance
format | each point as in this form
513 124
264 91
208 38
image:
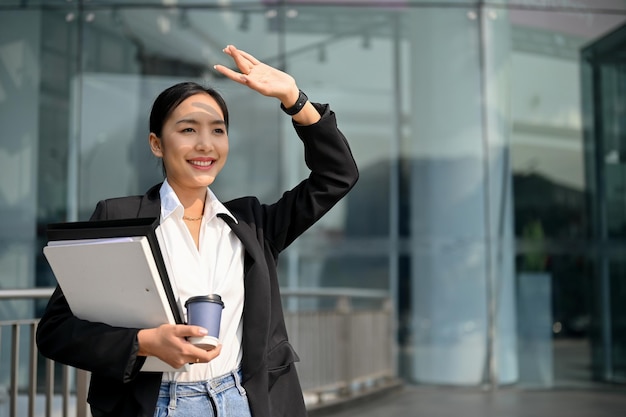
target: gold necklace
192 219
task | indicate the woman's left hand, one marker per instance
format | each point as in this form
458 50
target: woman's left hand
260 77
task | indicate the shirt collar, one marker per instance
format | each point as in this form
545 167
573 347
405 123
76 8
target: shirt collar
170 204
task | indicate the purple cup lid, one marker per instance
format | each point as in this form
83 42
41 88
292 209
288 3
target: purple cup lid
213 298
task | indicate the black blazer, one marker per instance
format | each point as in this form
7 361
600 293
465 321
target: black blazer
117 388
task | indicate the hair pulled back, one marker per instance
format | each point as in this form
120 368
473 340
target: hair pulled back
171 97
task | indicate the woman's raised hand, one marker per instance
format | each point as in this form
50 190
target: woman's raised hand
260 77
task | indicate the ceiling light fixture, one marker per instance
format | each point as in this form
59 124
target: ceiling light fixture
244 23
321 54
183 20
367 41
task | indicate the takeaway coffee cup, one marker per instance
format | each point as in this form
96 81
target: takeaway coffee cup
205 311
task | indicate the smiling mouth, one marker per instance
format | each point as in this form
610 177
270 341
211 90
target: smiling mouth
202 163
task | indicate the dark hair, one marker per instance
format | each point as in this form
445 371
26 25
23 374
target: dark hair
171 97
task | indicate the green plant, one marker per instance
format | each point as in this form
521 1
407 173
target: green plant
534 258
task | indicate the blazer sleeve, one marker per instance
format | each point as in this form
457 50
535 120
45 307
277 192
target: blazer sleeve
96 347
333 173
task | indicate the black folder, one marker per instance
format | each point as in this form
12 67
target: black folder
145 226
82 251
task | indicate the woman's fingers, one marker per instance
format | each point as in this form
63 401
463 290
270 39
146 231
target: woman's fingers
228 73
239 54
204 356
188 330
247 56
244 61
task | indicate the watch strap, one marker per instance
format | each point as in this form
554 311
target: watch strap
302 99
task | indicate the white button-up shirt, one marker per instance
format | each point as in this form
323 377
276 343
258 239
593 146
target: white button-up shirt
215 267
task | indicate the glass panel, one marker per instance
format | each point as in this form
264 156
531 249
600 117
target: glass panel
34 4
612 90
343 56
20 75
551 186
37 58
59 56
165 4
617 290
132 54
591 9
605 76
328 268
452 224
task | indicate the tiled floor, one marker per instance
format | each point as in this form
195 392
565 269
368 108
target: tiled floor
573 394
415 401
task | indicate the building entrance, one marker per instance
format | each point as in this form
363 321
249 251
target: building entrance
604 103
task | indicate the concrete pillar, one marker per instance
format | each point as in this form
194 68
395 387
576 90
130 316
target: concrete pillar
461 212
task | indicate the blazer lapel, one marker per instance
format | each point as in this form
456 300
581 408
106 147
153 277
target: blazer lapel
151 203
256 306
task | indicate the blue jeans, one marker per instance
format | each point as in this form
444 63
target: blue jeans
223 396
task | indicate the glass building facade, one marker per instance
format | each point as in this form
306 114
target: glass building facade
490 138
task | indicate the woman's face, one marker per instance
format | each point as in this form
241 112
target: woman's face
193 143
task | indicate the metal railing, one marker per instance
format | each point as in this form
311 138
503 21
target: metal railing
346 344
344 337
62 391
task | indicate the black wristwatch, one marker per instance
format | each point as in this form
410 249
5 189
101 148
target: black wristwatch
302 99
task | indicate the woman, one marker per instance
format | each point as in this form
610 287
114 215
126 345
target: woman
227 248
